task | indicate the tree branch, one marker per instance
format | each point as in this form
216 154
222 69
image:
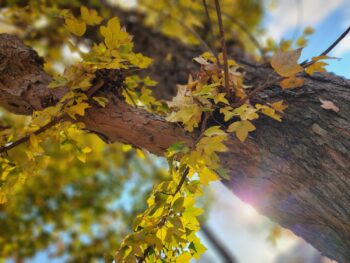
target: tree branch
224 49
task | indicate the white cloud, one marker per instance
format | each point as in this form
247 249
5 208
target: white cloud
346 14
285 16
342 48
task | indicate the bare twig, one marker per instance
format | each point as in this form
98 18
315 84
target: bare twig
248 33
224 49
182 180
207 14
92 90
178 188
130 97
245 30
210 28
305 64
336 42
260 88
223 251
204 122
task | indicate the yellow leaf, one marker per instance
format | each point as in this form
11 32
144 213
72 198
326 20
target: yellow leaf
292 82
246 112
35 144
268 111
308 30
102 101
126 147
86 150
301 42
285 45
90 16
228 114
3 198
206 176
278 106
316 67
140 153
322 57
214 130
161 234
286 63
275 233
85 83
220 98
190 116
184 258
209 145
113 34
81 157
75 26
241 128
77 109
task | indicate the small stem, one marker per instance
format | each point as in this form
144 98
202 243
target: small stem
130 97
182 181
37 132
305 65
260 88
224 49
207 14
205 120
210 28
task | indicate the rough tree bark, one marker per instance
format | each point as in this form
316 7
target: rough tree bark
296 172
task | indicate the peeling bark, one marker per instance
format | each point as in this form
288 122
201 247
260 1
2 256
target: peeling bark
296 172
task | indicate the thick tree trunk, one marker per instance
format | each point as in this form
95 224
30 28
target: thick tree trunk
296 172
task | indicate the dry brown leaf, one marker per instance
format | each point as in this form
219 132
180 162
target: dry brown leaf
201 61
286 63
328 105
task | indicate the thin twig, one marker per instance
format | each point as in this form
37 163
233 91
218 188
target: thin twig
92 90
182 180
210 28
304 65
204 122
260 88
208 15
178 188
37 132
336 42
224 49
245 30
130 97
